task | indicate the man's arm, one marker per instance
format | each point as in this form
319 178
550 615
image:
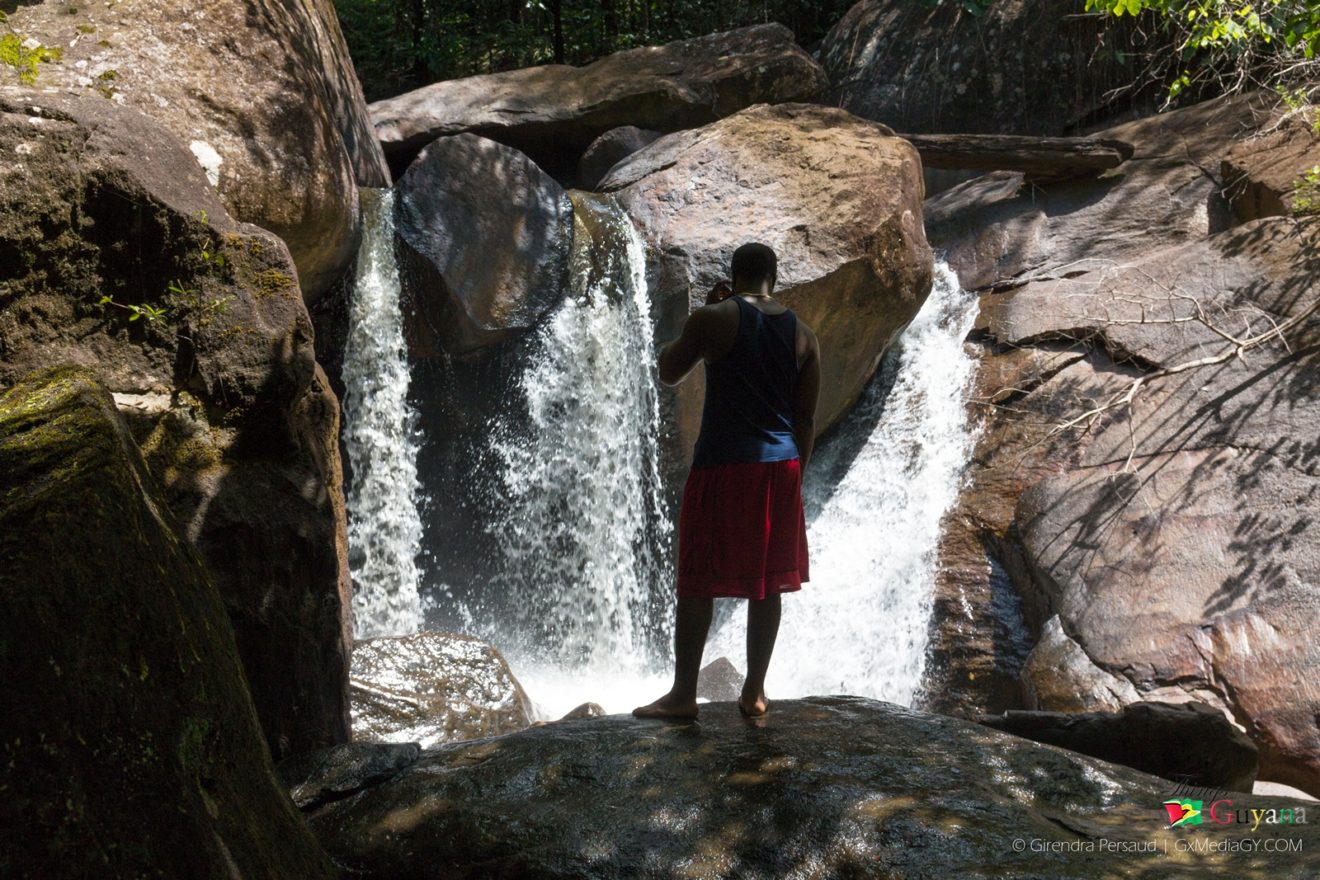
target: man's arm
807 395
680 356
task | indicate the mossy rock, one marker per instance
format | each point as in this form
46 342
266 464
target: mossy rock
130 747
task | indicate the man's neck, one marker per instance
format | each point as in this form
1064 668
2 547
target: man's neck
761 290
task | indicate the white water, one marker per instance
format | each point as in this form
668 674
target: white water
860 626
384 526
584 531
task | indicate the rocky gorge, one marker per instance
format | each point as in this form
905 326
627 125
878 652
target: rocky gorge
1110 523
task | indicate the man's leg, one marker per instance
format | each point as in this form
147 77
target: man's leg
692 622
762 628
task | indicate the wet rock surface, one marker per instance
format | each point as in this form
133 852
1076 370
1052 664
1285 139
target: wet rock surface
316 778
235 420
432 688
834 786
282 131
554 112
1189 743
484 237
837 197
131 747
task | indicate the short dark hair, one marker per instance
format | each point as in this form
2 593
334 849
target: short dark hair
754 263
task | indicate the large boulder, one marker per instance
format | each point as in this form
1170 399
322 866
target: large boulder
432 688
104 217
998 235
131 748
1190 743
485 237
554 112
1024 67
262 92
1174 540
825 786
837 197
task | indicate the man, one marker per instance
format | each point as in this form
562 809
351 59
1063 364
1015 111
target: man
741 529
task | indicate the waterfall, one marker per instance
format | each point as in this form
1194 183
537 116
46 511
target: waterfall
583 527
875 495
384 527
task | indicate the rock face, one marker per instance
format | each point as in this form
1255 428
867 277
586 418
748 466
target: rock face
282 133
1169 533
433 688
131 747
838 198
1191 743
553 113
826 786
608 150
996 232
1265 174
485 237
234 418
1024 67
997 235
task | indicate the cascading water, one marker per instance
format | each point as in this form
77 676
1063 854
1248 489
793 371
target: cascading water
875 495
384 528
583 527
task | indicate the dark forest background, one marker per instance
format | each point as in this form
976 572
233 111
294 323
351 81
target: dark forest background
399 45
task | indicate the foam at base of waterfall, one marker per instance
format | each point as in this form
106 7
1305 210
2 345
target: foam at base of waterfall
384 525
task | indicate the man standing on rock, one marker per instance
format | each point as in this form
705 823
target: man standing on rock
741 529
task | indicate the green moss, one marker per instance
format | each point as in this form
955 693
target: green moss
273 281
25 60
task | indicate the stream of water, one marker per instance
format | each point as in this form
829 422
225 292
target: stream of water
380 434
571 465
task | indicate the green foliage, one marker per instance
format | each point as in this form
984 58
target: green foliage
1306 192
23 59
136 311
1297 102
398 45
1231 43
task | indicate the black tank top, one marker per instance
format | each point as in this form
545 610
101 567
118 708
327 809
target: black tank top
748 413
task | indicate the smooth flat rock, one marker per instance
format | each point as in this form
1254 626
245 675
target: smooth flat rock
824 786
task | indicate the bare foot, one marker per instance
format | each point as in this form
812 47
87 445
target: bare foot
754 705
668 706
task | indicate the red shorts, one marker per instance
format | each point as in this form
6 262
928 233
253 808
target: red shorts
741 531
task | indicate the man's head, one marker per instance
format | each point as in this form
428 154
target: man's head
754 264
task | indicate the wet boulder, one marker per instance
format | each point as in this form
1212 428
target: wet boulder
837 197
262 93
554 112
131 747
316 778
432 688
195 323
484 242
830 786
